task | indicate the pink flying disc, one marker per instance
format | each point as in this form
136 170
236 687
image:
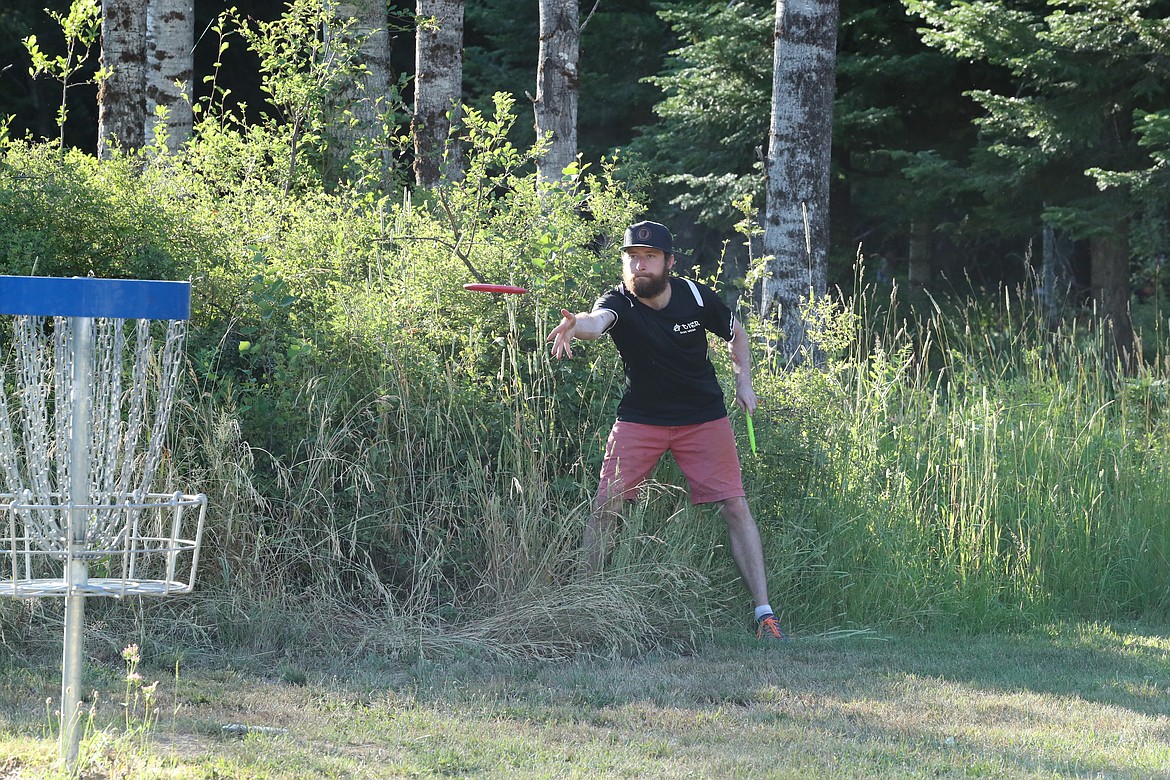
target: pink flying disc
495 288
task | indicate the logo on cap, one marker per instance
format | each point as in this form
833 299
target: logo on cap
647 234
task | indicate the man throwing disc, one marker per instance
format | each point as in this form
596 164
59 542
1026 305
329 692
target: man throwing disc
673 401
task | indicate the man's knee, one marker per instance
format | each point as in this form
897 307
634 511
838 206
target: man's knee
607 508
736 510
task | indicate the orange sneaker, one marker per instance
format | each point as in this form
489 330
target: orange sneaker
768 628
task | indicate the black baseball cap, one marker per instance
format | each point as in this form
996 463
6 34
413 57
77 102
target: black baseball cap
649 234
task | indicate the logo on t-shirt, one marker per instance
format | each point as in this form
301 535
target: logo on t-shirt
687 327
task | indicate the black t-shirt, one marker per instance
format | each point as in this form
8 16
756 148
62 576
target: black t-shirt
669 377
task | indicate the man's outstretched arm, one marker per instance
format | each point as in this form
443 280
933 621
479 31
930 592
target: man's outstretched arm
583 325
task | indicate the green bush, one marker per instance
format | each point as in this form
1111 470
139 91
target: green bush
71 215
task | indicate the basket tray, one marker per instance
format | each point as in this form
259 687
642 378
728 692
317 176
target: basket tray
137 544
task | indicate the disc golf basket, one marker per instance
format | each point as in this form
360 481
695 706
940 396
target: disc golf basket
87 385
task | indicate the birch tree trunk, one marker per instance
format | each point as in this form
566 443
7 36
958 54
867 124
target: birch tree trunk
359 144
438 89
122 97
557 85
799 144
170 43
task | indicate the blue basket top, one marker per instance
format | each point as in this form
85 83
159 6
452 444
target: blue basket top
77 296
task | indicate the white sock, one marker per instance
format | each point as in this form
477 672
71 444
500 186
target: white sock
762 611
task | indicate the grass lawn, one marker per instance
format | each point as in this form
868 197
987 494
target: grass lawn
1075 701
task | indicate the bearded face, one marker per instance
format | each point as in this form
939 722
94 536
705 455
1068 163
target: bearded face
646 285
646 272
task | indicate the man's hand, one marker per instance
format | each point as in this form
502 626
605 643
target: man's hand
562 334
745 396
741 360
583 325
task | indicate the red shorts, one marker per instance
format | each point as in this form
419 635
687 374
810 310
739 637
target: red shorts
704 452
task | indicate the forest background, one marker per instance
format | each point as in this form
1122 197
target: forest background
390 456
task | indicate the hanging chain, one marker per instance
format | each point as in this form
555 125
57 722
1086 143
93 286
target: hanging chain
132 395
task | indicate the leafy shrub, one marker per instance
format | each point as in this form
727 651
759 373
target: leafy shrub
71 215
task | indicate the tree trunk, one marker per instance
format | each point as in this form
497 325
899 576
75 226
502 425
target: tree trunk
920 270
438 89
359 144
557 85
1055 275
800 141
1109 262
122 97
170 42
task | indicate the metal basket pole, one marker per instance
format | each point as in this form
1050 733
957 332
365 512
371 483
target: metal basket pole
77 568
49 527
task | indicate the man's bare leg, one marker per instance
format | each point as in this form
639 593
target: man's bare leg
746 547
599 533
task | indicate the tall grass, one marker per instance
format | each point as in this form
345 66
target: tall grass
981 470
440 512
953 466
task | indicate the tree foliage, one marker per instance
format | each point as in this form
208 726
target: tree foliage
620 44
81 28
708 147
1084 74
307 56
902 135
